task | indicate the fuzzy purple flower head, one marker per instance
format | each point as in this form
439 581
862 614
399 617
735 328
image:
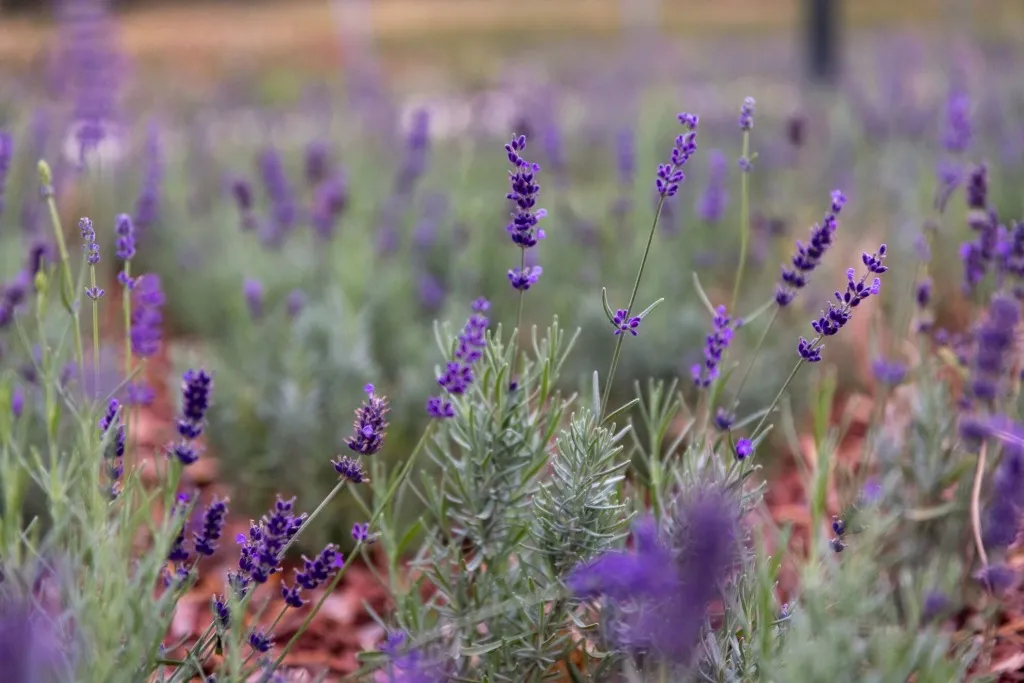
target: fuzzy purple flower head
670 176
369 428
807 257
458 374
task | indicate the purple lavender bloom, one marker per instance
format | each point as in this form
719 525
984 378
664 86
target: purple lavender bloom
196 388
318 162
997 578
178 552
125 242
936 604
31 650
114 452
744 449
252 290
147 318
796 130
350 469
329 202
625 166
716 198
41 254
431 292
147 207
295 302
6 154
92 250
890 372
724 419
261 549
523 194
318 571
458 374
410 666
923 293
995 343
370 424
671 175
523 279
957 136
241 190
714 346
836 316
361 532
977 188
260 641
17 402
417 145
282 201
747 114
808 257
657 599
623 323
214 517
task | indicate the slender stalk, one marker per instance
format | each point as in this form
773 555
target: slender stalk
979 474
309 520
67 282
778 396
629 307
753 357
126 307
744 223
95 333
519 313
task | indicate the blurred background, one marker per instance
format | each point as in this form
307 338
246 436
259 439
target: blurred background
316 182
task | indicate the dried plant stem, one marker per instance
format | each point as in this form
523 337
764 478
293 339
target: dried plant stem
744 223
629 307
979 473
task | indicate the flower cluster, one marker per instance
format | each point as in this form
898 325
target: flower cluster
624 323
6 155
147 317
808 256
1006 499
716 197
458 374
839 529
835 318
313 574
206 538
671 175
329 202
994 347
282 201
714 346
261 550
523 194
92 253
241 190
204 541
368 430
747 114
125 244
196 387
252 292
147 207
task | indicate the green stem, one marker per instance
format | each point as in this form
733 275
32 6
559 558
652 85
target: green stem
629 307
778 396
309 520
519 313
753 357
95 333
126 308
67 282
744 223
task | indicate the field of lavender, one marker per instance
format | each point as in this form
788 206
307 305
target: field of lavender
665 365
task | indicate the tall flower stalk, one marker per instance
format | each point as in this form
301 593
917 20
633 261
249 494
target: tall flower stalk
92 257
670 176
746 165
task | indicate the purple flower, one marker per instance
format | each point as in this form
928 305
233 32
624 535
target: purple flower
295 303
178 552
196 387
318 571
282 201
260 641
744 449
889 372
747 114
318 162
671 175
261 549
808 256
125 231
114 452
368 430
214 517
523 194
458 374
623 323
657 598
350 469
241 190
329 202
977 188
923 293
715 199
935 605
147 207
31 649
252 290
715 345
525 278
995 343
957 136
361 533
997 578
836 316
410 666
17 402
724 419
796 128
6 155
147 317
417 145
431 292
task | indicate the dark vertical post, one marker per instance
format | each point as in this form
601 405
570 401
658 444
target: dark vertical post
821 23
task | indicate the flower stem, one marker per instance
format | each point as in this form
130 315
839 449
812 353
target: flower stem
979 473
744 222
778 396
519 312
753 357
629 307
67 282
95 333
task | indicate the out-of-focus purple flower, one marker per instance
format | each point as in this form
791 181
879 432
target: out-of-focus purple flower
1006 499
836 316
113 419
670 176
282 200
295 302
260 641
936 604
31 647
417 145
949 175
408 665
796 129
923 293
458 374
147 317
724 419
995 343
252 290
431 292
6 155
625 166
196 390
657 598
241 190
329 202
977 188
715 345
744 449
434 206
368 430
554 150
125 231
206 538
808 256
715 198
890 372
41 253
178 552
17 401
90 67
998 578
147 207
747 114
318 162
957 135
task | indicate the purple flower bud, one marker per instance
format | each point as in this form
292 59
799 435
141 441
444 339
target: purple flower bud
295 303
368 430
747 114
253 292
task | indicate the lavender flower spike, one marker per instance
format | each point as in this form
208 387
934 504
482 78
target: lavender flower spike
808 256
670 176
715 345
368 430
196 387
458 374
6 155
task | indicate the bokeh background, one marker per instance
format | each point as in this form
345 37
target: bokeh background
369 134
